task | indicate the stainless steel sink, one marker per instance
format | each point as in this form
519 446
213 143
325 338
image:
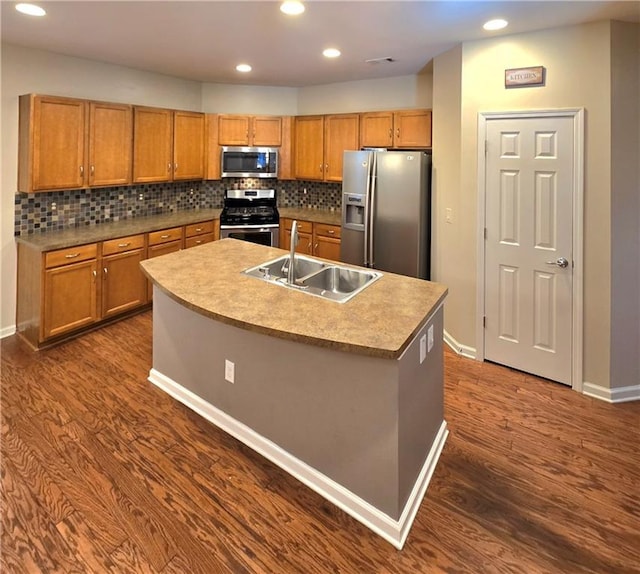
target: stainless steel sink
277 268
321 279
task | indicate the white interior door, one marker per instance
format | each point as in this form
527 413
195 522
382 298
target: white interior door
528 291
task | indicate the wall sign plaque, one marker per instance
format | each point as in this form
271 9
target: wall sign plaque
524 77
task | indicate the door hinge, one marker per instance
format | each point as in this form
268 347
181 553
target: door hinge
485 232
484 322
486 146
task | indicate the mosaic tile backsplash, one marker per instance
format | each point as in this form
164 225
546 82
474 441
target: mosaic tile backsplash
38 212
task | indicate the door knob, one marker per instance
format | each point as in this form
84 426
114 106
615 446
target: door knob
560 262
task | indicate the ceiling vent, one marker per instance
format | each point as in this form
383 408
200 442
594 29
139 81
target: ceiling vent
372 61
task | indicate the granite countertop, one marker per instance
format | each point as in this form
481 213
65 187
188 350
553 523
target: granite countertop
309 214
105 231
73 236
380 321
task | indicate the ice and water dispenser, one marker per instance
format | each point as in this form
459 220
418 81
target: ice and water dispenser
353 211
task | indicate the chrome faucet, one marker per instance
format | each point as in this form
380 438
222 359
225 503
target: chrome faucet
291 271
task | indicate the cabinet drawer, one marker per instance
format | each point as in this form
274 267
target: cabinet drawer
303 226
164 236
198 240
70 255
327 230
122 244
199 228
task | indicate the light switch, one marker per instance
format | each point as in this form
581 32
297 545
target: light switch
430 338
423 348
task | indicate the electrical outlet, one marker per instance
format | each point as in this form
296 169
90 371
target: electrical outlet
430 338
448 215
229 371
423 348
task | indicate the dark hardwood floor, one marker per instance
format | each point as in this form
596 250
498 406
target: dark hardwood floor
103 472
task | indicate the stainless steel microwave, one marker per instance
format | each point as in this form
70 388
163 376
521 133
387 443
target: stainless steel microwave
249 162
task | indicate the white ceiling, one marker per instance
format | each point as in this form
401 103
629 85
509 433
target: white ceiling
204 40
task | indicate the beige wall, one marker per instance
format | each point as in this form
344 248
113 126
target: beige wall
367 95
254 100
578 65
625 204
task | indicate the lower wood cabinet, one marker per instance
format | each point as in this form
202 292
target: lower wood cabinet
124 286
69 291
64 291
319 239
201 233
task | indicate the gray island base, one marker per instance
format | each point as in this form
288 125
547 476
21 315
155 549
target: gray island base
363 426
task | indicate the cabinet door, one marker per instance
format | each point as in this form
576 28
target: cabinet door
327 248
376 129
110 144
305 242
412 128
188 145
58 141
124 286
152 143
233 130
309 146
70 300
340 134
156 251
266 131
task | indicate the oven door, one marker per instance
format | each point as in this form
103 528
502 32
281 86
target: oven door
261 234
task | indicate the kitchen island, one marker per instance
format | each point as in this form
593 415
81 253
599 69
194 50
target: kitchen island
348 398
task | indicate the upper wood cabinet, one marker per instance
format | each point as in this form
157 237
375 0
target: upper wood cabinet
167 145
309 147
238 130
399 129
320 142
110 143
340 134
188 145
152 144
66 143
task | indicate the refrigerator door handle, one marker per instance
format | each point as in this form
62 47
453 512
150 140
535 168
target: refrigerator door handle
372 207
367 207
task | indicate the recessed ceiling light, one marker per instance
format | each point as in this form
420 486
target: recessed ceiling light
243 68
331 53
292 7
30 9
497 24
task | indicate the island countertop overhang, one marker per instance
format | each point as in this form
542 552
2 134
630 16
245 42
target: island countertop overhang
380 321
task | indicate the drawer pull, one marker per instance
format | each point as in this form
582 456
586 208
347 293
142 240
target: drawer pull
72 255
198 229
330 231
165 236
198 242
121 245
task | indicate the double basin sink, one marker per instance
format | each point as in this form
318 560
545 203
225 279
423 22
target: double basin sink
322 279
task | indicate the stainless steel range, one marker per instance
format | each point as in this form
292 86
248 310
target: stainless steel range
250 215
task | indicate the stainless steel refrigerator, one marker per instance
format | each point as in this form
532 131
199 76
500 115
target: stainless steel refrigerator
386 211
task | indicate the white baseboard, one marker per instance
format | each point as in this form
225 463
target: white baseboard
619 395
7 331
459 348
394 531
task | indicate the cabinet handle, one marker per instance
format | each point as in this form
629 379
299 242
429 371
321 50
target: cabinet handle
93 170
82 170
315 247
309 246
169 167
330 231
105 270
398 133
175 167
198 242
320 168
121 245
198 229
72 255
165 236
390 133
95 273
326 166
